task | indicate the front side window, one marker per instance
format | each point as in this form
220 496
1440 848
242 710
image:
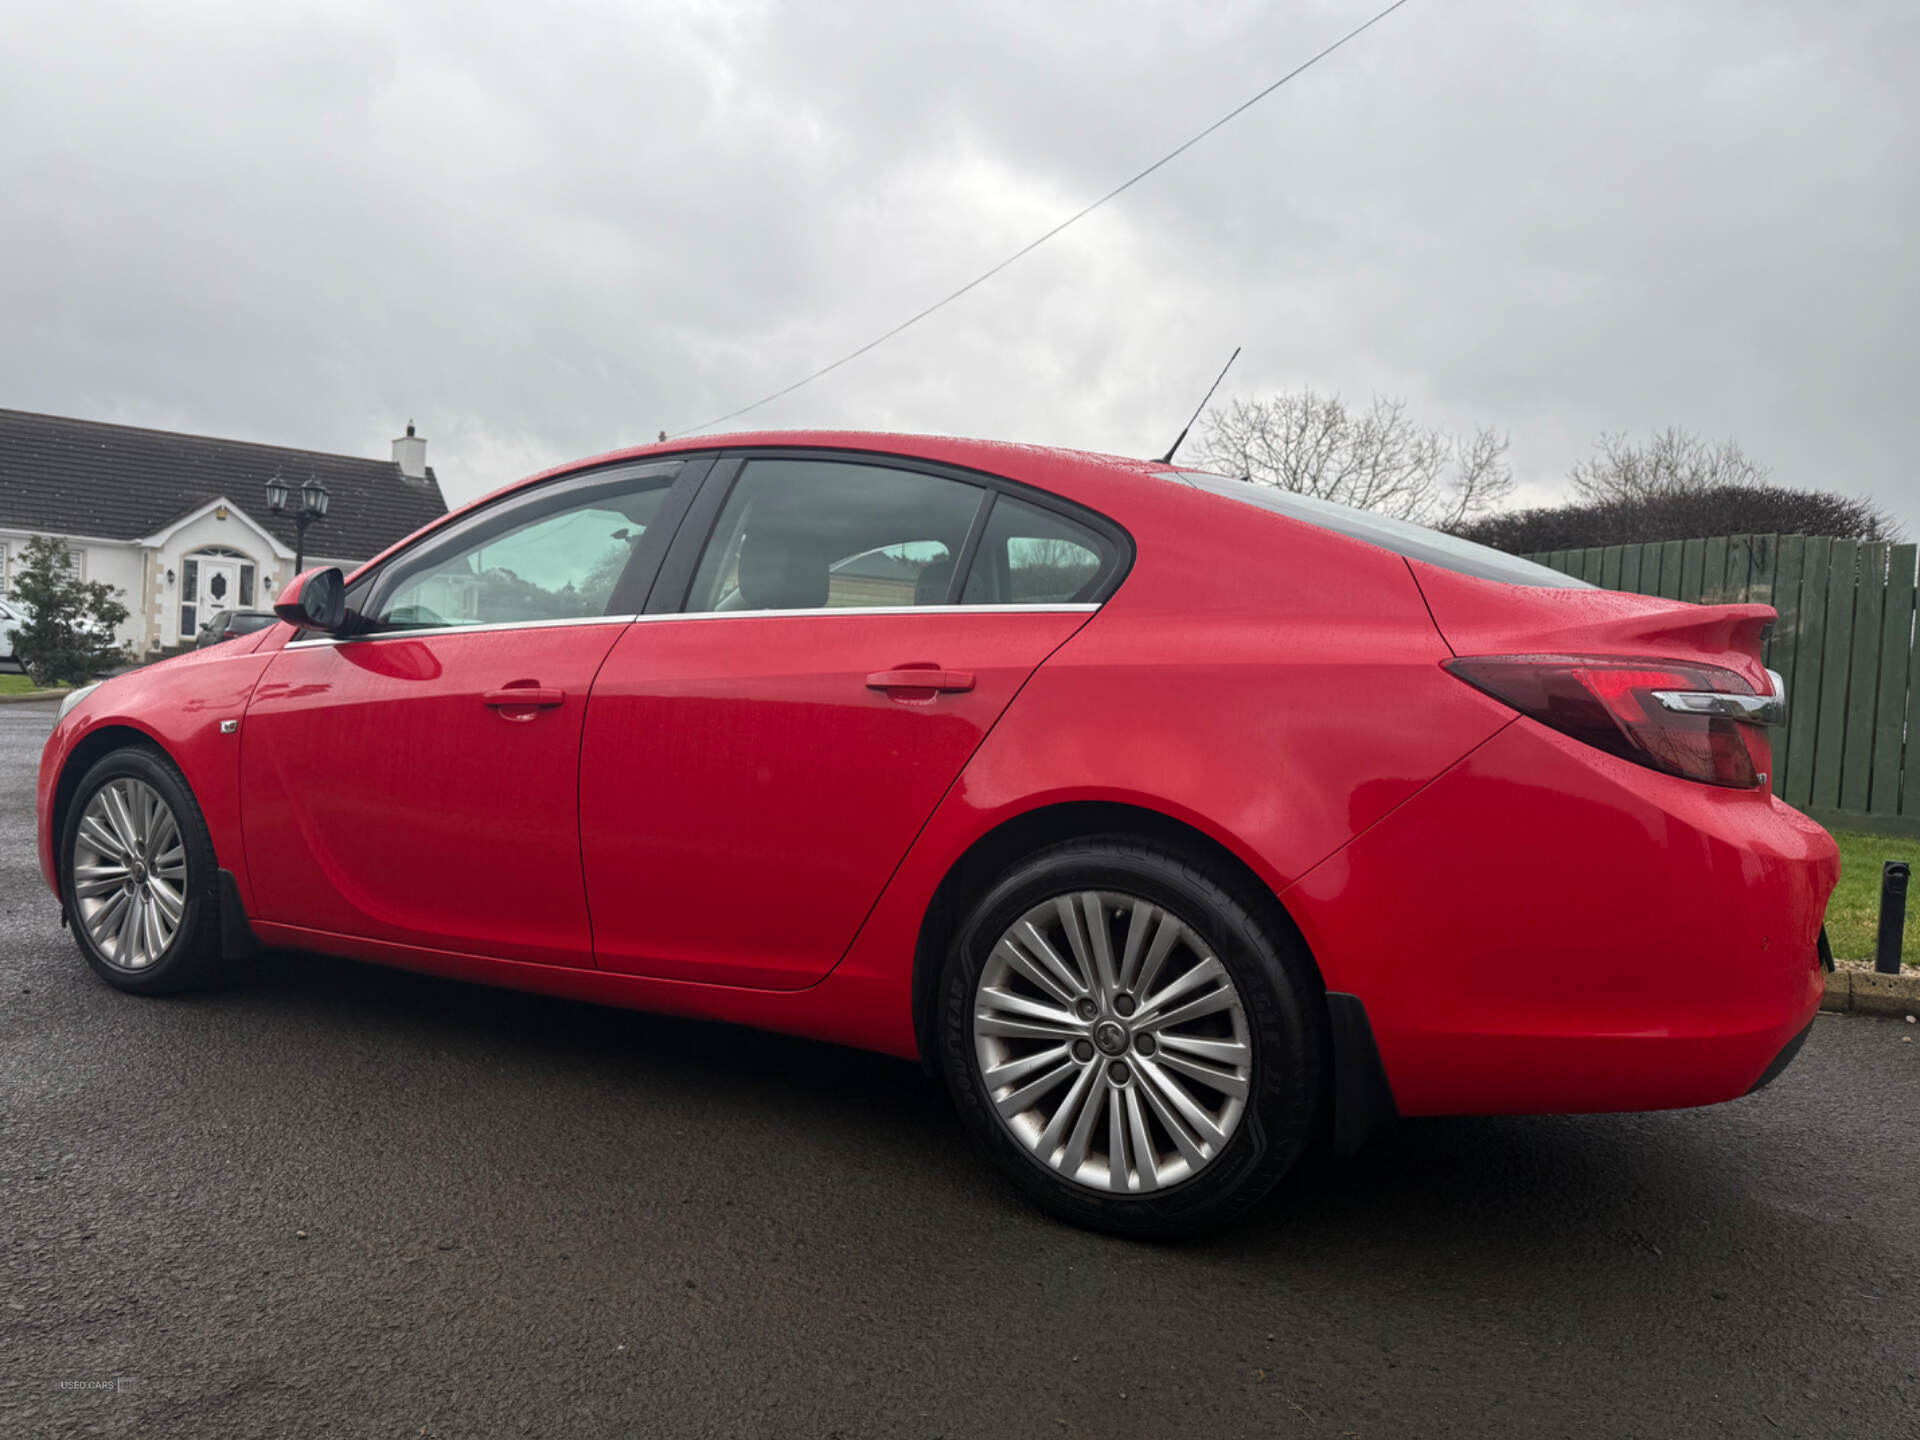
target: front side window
544 558
831 534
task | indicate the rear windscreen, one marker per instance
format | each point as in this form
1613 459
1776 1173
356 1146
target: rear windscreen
1416 542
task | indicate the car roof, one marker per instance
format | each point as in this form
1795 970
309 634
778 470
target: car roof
993 457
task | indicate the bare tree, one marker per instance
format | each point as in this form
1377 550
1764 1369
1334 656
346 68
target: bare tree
1373 459
1673 462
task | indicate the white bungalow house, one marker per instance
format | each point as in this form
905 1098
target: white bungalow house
180 523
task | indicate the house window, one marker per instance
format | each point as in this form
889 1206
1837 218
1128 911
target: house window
189 590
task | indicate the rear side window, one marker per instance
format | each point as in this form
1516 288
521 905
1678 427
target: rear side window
1402 537
1030 556
833 534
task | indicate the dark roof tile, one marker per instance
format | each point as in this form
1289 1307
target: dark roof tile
117 482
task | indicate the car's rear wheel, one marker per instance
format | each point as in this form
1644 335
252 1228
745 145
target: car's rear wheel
1135 1048
139 877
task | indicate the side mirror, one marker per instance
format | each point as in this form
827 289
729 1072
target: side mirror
315 600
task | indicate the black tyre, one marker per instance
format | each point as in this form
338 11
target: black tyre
139 877
1134 1048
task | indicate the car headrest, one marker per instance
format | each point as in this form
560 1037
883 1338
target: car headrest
931 586
781 567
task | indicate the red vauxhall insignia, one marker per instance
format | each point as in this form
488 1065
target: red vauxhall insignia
1176 820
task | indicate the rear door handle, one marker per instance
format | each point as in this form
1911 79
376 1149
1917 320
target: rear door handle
912 678
524 697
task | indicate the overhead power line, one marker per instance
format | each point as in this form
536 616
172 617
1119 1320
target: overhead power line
1034 245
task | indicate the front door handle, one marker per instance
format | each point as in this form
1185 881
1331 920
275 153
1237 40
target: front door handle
913 677
524 697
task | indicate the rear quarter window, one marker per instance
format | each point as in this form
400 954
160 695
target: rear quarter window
1031 556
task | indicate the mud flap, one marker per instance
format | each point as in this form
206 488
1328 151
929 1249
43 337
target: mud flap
1362 1097
237 940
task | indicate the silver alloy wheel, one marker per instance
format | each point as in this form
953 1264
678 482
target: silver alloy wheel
130 873
1112 1041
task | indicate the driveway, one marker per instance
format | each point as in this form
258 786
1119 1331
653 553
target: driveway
336 1200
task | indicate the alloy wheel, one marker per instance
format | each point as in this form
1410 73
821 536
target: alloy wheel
129 873
1112 1041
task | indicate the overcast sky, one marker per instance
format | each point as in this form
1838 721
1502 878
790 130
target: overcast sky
543 230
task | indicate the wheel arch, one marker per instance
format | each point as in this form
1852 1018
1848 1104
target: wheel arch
102 740
990 856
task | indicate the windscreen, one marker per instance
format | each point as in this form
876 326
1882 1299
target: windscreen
1416 542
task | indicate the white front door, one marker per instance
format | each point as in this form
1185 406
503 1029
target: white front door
215 586
219 585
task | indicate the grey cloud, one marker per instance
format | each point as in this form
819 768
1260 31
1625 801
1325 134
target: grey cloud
542 231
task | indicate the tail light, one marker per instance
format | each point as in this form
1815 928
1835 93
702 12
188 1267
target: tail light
1679 717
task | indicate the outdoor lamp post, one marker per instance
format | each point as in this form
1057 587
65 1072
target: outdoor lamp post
313 506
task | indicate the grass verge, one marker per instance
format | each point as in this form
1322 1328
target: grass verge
1853 915
19 685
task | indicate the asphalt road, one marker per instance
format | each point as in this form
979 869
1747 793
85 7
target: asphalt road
340 1201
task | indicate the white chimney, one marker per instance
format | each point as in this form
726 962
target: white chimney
410 454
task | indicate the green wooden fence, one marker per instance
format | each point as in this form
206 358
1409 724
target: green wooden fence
1850 752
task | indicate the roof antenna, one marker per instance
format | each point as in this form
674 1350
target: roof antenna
1167 459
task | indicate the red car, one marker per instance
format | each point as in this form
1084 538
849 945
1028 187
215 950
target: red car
1175 819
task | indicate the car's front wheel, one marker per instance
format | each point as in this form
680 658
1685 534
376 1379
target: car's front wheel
1136 1049
139 877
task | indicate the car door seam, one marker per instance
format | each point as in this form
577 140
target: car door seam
240 771
579 767
935 809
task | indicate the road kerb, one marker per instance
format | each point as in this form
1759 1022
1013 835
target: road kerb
1867 992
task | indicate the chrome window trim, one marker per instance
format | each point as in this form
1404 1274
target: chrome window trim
415 634
840 611
1063 608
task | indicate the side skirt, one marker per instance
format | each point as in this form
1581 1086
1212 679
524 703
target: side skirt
847 1007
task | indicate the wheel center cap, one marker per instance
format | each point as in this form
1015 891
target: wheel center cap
1111 1037
139 872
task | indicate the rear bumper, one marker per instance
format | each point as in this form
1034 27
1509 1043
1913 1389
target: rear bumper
1546 928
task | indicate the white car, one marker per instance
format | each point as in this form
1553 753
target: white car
11 614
